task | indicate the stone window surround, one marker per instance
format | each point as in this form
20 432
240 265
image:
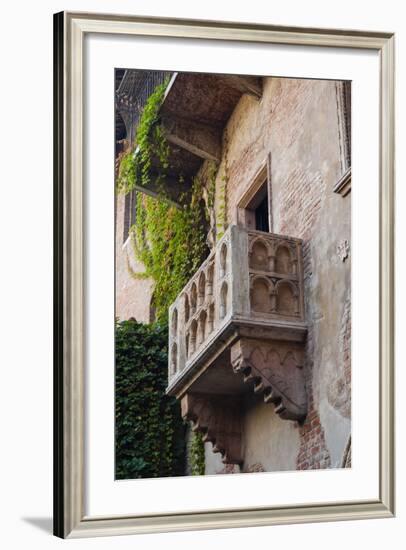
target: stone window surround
343 95
249 199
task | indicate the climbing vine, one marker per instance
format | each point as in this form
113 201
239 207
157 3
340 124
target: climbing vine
221 221
211 183
149 428
196 454
169 239
171 243
135 166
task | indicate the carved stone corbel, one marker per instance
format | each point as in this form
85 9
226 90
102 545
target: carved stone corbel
218 419
276 371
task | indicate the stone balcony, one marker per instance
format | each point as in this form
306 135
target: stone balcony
238 326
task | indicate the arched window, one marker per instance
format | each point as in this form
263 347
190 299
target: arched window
223 260
223 300
210 277
260 296
202 327
193 298
286 299
259 256
193 336
201 288
283 261
174 324
211 319
174 359
187 308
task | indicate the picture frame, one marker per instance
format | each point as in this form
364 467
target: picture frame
70 518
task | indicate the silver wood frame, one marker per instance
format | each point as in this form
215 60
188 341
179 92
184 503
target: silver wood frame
69 518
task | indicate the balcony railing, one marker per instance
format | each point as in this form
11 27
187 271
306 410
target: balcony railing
251 280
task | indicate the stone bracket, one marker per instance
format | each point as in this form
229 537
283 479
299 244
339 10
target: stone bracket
218 419
276 371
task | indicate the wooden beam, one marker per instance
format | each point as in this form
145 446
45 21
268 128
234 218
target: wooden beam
251 85
172 187
200 139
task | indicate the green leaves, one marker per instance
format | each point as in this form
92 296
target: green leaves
149 429
196 455
135 166
171 243
126 173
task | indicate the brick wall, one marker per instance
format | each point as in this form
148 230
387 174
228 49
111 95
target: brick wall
296 121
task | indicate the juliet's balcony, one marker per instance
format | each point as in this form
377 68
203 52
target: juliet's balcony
241 313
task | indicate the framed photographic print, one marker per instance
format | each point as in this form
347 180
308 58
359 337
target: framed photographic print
223 274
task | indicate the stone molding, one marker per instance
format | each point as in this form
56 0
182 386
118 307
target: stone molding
343 186
275 369
218 419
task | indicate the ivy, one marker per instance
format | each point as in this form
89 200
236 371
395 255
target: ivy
149 429
211 186
222 221
169 240
126 172
196 455
170 243
135 166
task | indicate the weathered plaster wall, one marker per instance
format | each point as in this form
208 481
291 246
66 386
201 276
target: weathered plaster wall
296 121
213 464
269 443
133 296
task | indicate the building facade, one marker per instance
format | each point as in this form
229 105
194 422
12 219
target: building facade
260 337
